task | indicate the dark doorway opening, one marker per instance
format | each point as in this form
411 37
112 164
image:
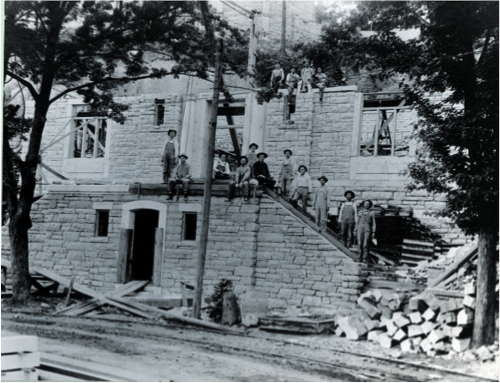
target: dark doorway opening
143 245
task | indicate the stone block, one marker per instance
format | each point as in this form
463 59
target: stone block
469 302
415 330
312 301
374 334
370 308
271 237
243 271
415 317
429 314
401 321
385 341
465 317
460 345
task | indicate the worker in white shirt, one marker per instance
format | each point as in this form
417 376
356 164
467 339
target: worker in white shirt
301 188
221 169
348 217
170 153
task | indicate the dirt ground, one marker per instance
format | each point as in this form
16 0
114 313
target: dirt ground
167 351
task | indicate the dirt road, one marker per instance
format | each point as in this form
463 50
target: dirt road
169 351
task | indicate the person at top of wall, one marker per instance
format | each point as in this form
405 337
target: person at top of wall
261 171
241 180
301 188
221 169
252 156
287 173
169 156
320 82
181 175
348 216
365 229
322 203
292 79
306 75
277 77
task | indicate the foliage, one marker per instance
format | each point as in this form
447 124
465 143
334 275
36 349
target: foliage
215 311
91 48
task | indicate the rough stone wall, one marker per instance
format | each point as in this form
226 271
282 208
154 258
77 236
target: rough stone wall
259 246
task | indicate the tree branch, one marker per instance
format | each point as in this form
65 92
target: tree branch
485 47
26 83
106 79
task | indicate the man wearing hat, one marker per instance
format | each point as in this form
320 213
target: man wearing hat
365 228
241 180
292 80
277 76
322 203
288 172
348 216
170 153
261 171
221 168
301 188
252 156
182 175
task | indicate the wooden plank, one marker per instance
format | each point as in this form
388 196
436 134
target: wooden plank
92 304
418 243
53 171
124 248
446 293
232 111
158 257
26 375
395 285
378 256
13 344
20 360
453 268
66 301
65 282
49 376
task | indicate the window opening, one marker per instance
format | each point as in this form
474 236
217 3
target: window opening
90 134
102 223
386 128
190 223
159 112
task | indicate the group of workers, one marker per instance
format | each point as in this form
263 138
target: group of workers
294 184
308 78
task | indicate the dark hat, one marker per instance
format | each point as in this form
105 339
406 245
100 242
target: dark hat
323 178
172 130
288 150
183 155
302 166
262 153
222 154
367 200
245 157
350 191
253 144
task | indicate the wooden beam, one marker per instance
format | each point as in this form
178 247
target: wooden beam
231 110
158 257
124 247
454 268
53 171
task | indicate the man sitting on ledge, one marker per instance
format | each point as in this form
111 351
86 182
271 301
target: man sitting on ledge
261 171
182 175
241 181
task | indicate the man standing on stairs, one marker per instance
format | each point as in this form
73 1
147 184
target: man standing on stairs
365 228
301 188
321 203
252 156
348 216
287 174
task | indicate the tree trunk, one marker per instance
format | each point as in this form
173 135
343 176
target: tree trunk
18 234
484 318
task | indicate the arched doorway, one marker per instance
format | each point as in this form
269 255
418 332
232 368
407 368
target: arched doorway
141 241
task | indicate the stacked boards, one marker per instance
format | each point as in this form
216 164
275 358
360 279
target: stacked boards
413 252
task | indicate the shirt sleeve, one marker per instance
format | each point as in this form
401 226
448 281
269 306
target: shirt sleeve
374 225
355 207
341 210
309 184
216 163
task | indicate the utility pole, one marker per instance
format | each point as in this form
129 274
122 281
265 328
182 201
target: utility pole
283 28
252 45
207 195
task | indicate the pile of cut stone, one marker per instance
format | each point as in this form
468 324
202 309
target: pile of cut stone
419 323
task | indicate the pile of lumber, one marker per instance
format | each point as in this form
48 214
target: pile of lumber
413 252
421 323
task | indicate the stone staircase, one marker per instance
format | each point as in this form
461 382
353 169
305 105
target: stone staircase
327 234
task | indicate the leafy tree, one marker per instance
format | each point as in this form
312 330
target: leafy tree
79 45
450 74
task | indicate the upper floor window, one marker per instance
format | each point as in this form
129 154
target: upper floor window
159 112
386 126
89 139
